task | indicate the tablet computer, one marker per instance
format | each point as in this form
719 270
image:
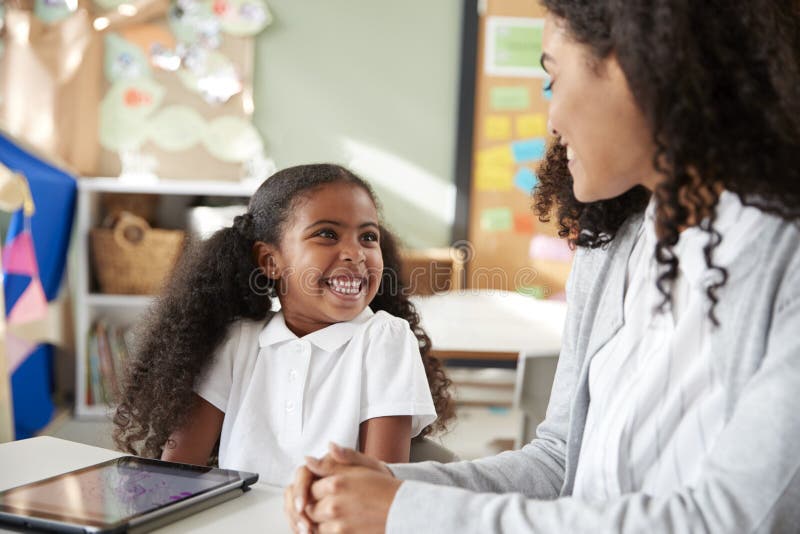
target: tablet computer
124 494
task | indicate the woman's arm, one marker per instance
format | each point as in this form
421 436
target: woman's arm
386 438
193 443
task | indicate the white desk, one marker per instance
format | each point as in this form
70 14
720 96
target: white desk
486 324
258 510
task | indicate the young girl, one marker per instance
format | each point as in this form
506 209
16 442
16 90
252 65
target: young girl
217 367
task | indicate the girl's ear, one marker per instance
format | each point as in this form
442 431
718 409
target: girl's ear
268 259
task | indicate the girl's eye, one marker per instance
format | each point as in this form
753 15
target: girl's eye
327 234
370 236
549 87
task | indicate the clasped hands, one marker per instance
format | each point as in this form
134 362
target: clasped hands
345 491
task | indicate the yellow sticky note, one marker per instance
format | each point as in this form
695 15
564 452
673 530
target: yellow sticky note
497 128
494 177
498 155
532 125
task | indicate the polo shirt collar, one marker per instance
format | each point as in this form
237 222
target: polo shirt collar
328 339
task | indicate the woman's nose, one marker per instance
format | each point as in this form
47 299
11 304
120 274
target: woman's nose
550 128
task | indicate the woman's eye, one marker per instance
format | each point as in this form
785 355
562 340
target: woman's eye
549 86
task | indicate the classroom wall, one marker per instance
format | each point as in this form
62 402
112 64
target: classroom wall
372 85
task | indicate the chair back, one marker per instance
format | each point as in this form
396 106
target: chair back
425 449
532 392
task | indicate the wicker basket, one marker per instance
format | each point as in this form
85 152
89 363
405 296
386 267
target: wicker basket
143 205
133 259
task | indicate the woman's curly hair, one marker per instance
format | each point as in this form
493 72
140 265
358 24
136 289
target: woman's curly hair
719 84
218 282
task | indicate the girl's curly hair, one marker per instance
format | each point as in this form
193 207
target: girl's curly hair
719 84
218 282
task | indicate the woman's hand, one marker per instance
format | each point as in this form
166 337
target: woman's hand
339 465
296 498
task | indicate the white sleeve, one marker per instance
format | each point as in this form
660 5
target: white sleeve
215 382
394 381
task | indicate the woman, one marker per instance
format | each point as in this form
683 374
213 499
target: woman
676 173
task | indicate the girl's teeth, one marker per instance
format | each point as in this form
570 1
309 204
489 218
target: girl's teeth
570 153
350 287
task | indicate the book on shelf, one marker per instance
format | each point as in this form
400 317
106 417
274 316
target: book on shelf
107 355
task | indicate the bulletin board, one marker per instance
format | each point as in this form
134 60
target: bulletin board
509 248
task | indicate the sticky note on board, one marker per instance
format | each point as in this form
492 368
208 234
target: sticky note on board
498 155
547 91
509 98
497 128
537 292
523 223
528 150
497 220
532 125
550 248
494 177
525 180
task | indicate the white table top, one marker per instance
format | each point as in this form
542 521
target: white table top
260 509
492 321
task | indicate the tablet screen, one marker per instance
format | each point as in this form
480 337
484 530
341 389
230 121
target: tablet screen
113 491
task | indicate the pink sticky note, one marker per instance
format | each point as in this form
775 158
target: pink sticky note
19 256
31 305
17 350
550 248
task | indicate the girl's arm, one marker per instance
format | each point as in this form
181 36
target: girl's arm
193 443
386 438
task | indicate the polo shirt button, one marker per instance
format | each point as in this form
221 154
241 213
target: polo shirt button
289 406
292 375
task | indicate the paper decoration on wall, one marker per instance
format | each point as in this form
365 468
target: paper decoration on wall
54 10
523 223
19 256
493 177
547 89
531 125
499 155
529 150
17 349
496 220
497 128
513 47
242 17
232 139
515 98
212 75
124 60
14 192
31 305
176 128
550 248
124 112
525 180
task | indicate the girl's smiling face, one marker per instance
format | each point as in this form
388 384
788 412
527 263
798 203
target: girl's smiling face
329 261
609 143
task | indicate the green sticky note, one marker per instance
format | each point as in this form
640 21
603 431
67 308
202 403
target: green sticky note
497 220
509 98
518 46
537 292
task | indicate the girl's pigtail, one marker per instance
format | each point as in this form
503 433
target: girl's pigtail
392 297
215 283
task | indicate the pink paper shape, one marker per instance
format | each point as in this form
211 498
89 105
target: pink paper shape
31 305
17 350
550 248
19 256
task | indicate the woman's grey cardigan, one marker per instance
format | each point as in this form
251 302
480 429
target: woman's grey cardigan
751 482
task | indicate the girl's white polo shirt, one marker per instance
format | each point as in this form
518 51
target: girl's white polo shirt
286 397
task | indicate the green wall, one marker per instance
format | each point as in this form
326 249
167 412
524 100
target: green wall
373 85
